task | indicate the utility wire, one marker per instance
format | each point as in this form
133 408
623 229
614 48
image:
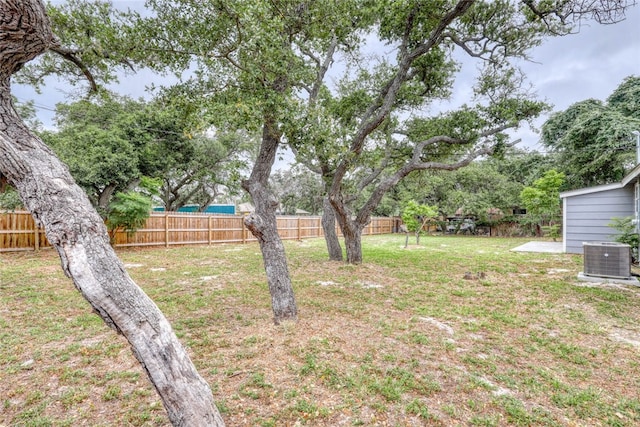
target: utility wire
629 148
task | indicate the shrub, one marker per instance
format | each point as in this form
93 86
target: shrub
628 234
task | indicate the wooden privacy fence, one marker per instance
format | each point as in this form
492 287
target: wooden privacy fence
19 233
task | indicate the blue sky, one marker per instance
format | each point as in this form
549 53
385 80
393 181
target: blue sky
564 70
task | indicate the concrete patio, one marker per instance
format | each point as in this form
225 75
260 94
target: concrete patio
543 247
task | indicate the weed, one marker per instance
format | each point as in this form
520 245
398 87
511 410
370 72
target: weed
420 409
73 397
255 386
585 403
112 392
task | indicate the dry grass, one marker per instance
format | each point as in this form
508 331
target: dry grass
401 340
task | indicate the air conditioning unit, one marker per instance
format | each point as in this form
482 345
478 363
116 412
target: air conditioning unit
607 259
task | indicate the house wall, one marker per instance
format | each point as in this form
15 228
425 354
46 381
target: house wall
587 216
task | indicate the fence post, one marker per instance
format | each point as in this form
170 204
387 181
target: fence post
210 219
166 230
36 236
299 230
244 230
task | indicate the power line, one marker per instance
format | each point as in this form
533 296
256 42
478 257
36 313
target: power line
168 132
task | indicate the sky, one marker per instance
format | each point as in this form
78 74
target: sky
590 64
563 70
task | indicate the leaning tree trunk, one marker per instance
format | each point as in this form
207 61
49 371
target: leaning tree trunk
262 224
330 234
77 232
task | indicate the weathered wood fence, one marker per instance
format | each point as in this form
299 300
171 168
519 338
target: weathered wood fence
19 233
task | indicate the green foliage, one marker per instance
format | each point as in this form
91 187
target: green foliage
627 234
10 200
626 98
491 183
415 216
94 34
129 210
109 142
102 143
521 166
297 188
593 139
542 200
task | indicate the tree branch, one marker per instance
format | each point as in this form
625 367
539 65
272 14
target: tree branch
70 55
568 13
382 105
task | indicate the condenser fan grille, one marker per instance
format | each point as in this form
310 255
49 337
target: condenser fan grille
606 259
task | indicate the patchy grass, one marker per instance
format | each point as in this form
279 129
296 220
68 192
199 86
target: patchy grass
403 339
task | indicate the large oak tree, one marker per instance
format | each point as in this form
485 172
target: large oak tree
77 232
243 62
380 122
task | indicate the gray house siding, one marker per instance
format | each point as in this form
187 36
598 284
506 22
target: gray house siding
587 216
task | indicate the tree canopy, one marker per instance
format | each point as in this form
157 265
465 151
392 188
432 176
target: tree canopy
594 140
110 143
376 126
297 189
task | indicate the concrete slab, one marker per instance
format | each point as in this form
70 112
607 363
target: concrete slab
632 281
542 247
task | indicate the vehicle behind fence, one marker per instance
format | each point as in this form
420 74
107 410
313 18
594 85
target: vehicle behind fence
19 233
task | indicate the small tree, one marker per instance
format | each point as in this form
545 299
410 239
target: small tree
129 210
415 217
542 200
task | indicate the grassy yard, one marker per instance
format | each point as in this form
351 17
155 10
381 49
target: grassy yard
458 331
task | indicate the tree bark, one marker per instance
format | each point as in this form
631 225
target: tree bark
104 197
353 242
351 229
262 224
330 234
77 232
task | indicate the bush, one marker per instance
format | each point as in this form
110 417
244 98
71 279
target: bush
628 234
10 200
129 210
